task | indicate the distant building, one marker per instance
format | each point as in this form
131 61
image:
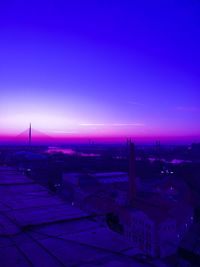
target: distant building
154 223
156 230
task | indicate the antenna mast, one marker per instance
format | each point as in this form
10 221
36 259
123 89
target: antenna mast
30 135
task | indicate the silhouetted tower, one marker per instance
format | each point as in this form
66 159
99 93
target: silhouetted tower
30 135
128 140
158 150
132 177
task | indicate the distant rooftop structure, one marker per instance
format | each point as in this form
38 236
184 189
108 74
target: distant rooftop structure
110 174
111 177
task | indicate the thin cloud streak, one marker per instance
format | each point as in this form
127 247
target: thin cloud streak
113 124
135 103
188 109
128 124
92 124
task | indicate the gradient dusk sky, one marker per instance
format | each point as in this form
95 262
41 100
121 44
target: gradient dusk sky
100 68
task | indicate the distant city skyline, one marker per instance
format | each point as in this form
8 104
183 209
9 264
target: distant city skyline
102 70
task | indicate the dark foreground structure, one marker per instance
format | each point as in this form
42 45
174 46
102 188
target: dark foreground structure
37 228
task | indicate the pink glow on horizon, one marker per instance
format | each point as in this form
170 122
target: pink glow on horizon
106 138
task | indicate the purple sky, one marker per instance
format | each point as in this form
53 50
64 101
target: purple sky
104 68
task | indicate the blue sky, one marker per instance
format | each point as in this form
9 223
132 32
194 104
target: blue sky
100 67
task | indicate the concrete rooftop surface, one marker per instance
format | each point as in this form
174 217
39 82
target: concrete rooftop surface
37 228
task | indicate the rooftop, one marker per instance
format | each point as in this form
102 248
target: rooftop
36 226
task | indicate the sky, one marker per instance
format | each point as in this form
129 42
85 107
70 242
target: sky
100 68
